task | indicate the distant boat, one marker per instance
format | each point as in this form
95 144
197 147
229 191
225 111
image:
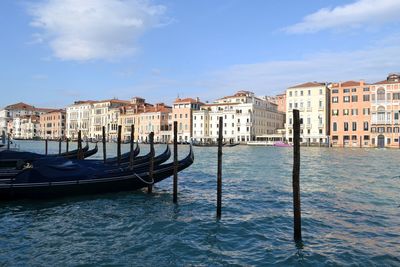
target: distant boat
282 144
207 144
231 145
260 143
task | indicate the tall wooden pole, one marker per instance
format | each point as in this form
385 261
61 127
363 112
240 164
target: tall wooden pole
3 137
175 185
8 141
67 145
296 175
119 144
151 168
59 146
46 146
219 170
104 145
80 145
132 142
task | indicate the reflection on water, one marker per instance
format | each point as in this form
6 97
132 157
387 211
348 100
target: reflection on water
350 208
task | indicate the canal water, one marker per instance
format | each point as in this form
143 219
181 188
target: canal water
350 208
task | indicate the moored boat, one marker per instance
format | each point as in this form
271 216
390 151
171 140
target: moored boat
282 144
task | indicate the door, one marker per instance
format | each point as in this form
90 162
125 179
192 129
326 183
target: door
381 141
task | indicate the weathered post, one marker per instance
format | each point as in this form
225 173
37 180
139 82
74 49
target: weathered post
46 146
119 144
80 156
360 141
3 137
151 168
8 141
59 146
67 145
175 185
219 171
132 142
296 175
104 145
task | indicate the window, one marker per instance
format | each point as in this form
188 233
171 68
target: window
354 137
396 116
366 98
365 126
396 96
301 92
309 92
388 96
320 104
354 98
295 93
354 111
346 126
389 129
366 89
354 126
335 91
366 111
320 91
354 90
366 137
381 94
345 112
334 127
308 104
335 99
290 93
335 112
335 137
290 105
346 99
346 90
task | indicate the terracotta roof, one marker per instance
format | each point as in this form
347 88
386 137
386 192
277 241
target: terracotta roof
308 84
349 84
20 105
385 82
186 100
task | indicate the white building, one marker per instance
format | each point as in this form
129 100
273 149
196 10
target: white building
26 127
312 100
78 118
245 116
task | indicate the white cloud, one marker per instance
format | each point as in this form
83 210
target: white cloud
94 29
372 64
355 15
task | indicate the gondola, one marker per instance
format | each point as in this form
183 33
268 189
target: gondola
139 162
62 181
11 159
231 145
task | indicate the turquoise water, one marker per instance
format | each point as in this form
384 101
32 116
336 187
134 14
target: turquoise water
350 208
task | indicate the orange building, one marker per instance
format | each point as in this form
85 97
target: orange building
155 119
182 110
280 100
52 124
350 114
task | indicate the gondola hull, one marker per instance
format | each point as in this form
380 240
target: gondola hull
117 183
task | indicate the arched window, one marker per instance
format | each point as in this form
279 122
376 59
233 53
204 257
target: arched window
381 94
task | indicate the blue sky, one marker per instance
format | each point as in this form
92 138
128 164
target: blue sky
54 52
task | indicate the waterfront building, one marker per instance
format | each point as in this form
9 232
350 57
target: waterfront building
245 117
280 100
26 127
105 113
312 100
350 114
130 115
78 119
13 111
52 124
182 110
155 119
385 110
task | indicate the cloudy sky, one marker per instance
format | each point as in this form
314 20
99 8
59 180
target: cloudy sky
54 52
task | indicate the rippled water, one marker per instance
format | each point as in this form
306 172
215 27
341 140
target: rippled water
350 208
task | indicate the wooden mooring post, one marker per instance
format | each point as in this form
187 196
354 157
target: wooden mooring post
67 144
46 146
175 184
219 170
80 156
296 175
59 146
132 142
8 141
3 137
104 144
151 167
119 144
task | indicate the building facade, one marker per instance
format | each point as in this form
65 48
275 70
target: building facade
280 100
78 119
312 100
182 111
245 116
26 127
155 119
53 124
350 114
385 110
